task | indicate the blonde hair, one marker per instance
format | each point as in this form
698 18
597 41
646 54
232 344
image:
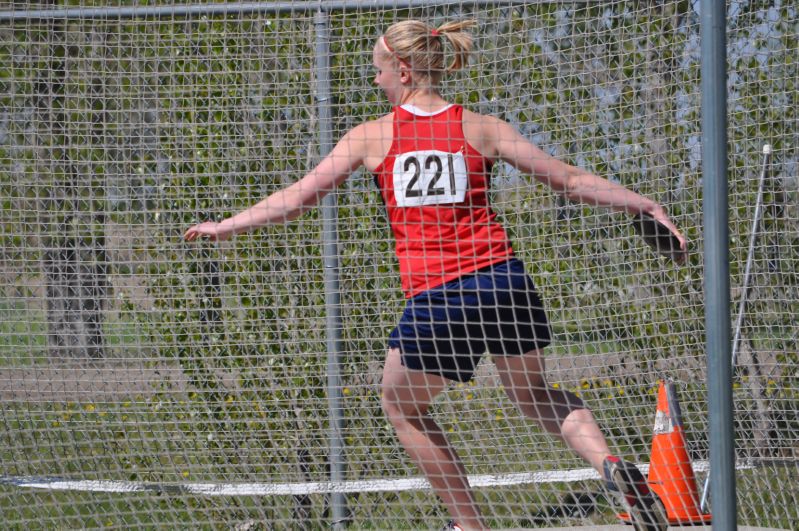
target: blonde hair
421 47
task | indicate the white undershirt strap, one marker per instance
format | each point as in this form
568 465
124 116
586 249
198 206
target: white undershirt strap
413 109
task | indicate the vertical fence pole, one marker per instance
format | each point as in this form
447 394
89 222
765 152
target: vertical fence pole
717 274
329 212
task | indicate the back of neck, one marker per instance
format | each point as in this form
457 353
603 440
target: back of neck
428 100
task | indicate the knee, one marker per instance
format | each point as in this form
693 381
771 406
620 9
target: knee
540 394
388 401
531 391
556 396
392 405
397 410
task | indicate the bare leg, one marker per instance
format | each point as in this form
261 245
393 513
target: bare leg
559 412
407 395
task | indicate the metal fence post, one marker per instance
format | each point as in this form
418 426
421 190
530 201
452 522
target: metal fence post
330 256
717 273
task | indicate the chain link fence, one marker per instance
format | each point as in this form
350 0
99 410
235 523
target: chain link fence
146 382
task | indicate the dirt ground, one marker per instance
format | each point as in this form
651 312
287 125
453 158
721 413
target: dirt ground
116 380
112 380
76 383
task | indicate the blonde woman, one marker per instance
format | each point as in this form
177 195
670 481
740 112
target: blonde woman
467 294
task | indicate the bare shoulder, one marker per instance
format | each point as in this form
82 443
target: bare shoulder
483 131
373 139
371 129
476 117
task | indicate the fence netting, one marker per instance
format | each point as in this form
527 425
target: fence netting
146 381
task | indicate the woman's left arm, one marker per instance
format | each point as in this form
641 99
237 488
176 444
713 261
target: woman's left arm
576 184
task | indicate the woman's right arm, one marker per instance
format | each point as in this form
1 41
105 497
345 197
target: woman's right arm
296 199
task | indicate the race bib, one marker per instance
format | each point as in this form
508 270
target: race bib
423 178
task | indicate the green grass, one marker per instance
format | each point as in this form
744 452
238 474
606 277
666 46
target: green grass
175 440
38 509
767 497
162 440
166 438
23 336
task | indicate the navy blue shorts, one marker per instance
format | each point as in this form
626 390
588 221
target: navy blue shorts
447 329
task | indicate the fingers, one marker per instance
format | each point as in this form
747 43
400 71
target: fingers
679 236
663 218
676 232
682 257
191 234
207 230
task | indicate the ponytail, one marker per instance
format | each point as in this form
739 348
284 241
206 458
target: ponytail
422 47
460 40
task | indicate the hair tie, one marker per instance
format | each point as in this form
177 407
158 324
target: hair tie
434 32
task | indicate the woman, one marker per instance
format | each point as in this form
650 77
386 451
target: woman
467 294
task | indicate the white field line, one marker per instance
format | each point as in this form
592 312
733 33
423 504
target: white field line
319 487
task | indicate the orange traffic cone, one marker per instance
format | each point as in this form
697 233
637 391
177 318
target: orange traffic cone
671 475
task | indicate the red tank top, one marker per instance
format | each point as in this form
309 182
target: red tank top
435 187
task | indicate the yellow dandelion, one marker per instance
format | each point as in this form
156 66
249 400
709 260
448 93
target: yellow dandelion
185 473
555 386
89 408
346 391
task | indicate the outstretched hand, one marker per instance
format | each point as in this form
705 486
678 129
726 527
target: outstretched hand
662 235
663 218
208 229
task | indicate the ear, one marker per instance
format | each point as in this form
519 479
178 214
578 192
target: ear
405 74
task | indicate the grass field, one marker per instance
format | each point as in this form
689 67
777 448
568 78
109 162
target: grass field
23 336
162 432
